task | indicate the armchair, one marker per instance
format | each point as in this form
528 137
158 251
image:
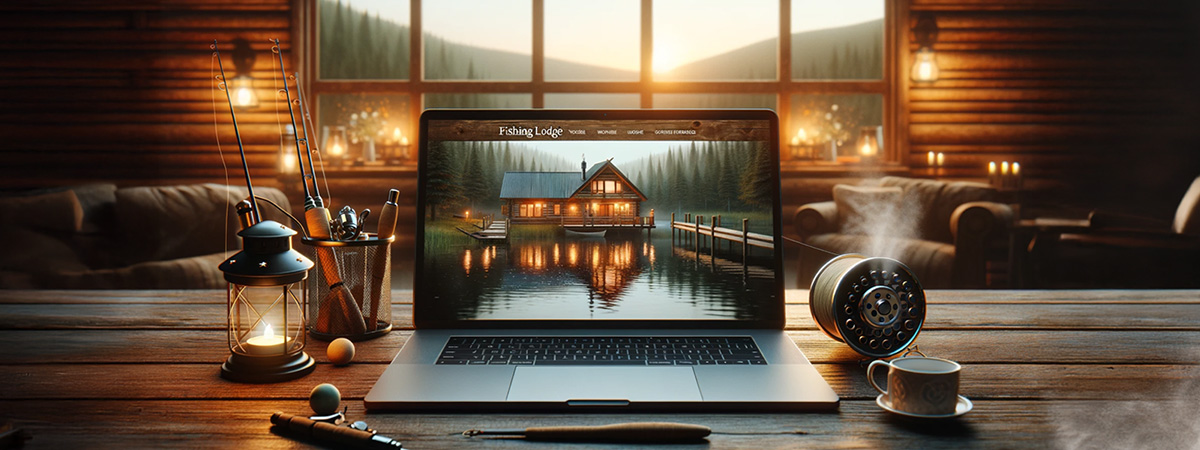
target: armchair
1124 251
946 232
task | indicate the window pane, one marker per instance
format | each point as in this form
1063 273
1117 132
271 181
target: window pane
478 101
364 129
715 40
837 40
824 127
478 40
592 100
714 101
588 40
363 39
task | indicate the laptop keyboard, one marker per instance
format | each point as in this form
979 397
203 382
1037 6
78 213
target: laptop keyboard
637 351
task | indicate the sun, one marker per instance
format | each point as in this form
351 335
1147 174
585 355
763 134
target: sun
666 57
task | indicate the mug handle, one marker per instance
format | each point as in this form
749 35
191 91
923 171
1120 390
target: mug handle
871 374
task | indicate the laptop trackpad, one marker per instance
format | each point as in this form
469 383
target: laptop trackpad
584 384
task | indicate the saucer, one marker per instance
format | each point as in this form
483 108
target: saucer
964 406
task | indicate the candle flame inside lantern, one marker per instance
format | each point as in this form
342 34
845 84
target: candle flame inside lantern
268 331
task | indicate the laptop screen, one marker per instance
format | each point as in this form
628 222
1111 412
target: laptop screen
598 216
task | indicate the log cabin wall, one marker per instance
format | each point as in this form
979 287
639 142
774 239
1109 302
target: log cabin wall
123 91
1100 97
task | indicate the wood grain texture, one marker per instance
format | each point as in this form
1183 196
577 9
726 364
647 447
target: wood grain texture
939 317
244 424
153 382
128 87
29 347
1062 83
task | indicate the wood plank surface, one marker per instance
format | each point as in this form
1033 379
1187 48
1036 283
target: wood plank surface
244 424
153 381
1021 346
1183 317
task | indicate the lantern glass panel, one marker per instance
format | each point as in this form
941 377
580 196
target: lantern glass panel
266 320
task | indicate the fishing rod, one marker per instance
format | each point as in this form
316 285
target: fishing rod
224 86
338 312
305 120
308 198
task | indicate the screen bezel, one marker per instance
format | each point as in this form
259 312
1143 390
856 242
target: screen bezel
425 316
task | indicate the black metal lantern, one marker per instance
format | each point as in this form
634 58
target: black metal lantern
265 306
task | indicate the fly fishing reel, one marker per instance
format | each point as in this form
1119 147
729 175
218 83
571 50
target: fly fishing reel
875 305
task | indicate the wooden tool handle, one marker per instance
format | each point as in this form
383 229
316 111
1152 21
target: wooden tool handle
379 266
326 432
622 432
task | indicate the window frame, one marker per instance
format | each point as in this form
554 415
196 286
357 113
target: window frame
892 86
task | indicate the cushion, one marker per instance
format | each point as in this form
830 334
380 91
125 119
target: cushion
935 202
98 202
160 223
51 211
875 211
932 262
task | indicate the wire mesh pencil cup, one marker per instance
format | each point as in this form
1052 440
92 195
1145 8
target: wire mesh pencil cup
352 296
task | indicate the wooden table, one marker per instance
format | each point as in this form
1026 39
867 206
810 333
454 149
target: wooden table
1112 369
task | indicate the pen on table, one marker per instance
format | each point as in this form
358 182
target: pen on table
332 434
621 432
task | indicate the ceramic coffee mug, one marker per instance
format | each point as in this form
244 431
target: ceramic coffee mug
919 385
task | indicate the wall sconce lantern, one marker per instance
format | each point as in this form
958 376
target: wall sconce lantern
925 68
242 83
264 312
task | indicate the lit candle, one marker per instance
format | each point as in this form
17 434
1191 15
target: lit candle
932 158
941 159
991 168
1016 174
396 134
266 345
1004 168
796 140
866 149
403 140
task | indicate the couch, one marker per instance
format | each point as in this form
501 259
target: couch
945 232
99 236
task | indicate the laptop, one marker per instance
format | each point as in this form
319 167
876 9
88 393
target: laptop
577 260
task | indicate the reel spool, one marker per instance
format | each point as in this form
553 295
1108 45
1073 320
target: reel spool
874 305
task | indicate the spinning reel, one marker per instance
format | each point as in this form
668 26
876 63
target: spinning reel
874 305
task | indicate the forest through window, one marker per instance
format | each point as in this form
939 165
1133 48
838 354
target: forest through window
828 89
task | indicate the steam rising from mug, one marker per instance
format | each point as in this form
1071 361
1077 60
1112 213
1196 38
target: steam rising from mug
875 305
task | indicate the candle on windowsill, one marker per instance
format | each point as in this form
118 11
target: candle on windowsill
1016 175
